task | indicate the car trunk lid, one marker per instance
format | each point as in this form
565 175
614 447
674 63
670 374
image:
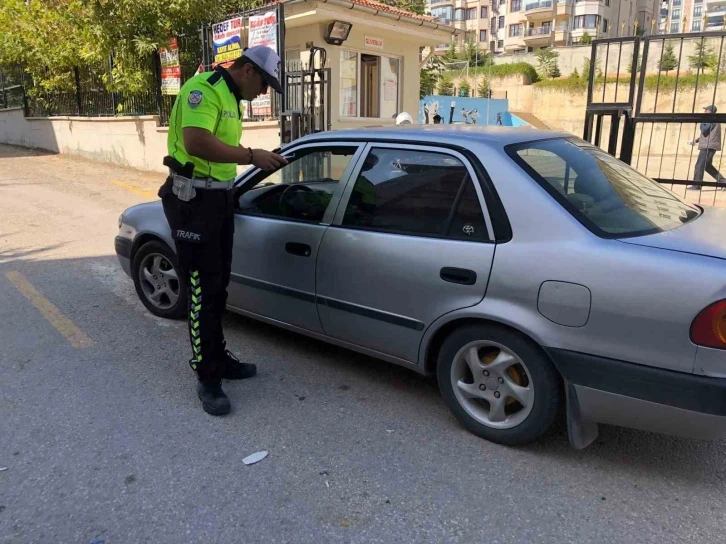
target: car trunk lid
705 235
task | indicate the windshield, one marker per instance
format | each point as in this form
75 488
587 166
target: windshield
604 194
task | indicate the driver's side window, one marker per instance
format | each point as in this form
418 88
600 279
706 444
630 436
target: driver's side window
303 189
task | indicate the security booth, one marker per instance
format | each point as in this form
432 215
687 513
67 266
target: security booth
372 55
345 63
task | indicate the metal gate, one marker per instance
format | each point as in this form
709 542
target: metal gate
646 95
307 97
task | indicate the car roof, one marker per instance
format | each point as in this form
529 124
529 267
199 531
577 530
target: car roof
439 134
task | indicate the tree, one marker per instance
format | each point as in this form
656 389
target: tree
483 89
586 39
85 34
630 64
668 61
547 60
555 71
465 89
414 6
446 85
586 67
703 57
429 78
574 74
452 53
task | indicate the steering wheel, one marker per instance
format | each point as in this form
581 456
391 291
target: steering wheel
297 203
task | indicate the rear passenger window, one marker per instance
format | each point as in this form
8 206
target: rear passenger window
415 192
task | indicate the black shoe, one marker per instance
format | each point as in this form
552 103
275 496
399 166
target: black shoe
214 401
234 369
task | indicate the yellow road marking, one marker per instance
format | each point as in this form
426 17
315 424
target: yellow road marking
134 189
64 325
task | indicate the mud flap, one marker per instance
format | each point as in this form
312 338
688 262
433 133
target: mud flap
580 432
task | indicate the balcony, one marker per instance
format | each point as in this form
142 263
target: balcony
538 10
716 8
564 8
538 36
562 36
515 43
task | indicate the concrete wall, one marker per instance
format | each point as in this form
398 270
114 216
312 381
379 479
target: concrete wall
137 142
518 88
569 59
454 107
565 110
619 58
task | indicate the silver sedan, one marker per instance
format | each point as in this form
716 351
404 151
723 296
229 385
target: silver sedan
535 275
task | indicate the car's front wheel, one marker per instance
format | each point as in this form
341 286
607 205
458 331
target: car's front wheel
499 384
158 281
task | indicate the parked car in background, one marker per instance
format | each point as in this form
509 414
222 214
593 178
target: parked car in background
528 270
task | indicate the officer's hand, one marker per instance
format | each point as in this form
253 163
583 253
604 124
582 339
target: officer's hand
267 160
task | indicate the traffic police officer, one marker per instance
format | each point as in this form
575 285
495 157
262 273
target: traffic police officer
204 149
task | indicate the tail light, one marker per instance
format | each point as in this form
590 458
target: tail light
709 328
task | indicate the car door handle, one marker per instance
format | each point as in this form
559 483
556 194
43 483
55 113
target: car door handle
295 248
458 275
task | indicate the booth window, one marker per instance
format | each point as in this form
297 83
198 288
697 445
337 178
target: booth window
369 85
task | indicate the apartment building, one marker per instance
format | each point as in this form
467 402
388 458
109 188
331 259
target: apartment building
518 26
681 16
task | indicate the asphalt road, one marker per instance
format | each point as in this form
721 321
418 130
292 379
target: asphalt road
103 437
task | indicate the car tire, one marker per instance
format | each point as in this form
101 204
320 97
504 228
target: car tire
157 279
517 394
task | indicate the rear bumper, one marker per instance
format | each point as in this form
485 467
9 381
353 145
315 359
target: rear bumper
123 248
614 392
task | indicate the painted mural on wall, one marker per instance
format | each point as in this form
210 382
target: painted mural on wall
452 110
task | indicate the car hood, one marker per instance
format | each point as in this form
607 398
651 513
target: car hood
705 235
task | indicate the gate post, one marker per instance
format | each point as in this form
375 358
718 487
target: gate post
77 77
114 96
157 83
626 148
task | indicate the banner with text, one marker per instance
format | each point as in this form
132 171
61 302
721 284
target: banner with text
263 31
170 68
227 41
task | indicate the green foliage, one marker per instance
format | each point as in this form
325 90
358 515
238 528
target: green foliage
429 78
510 69
414 6
446 85
465 89
629 68
452 53
547 59
668 61
661 82
586 39
483 88
703 57
574 74
50 37
586 70
578 85
475 55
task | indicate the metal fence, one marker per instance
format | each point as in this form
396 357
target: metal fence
12 92
88 91
647 97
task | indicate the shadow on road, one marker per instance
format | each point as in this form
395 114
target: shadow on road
8 255
634 452
15 151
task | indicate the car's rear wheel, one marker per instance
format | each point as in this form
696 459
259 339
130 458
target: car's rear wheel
158 281
499 384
